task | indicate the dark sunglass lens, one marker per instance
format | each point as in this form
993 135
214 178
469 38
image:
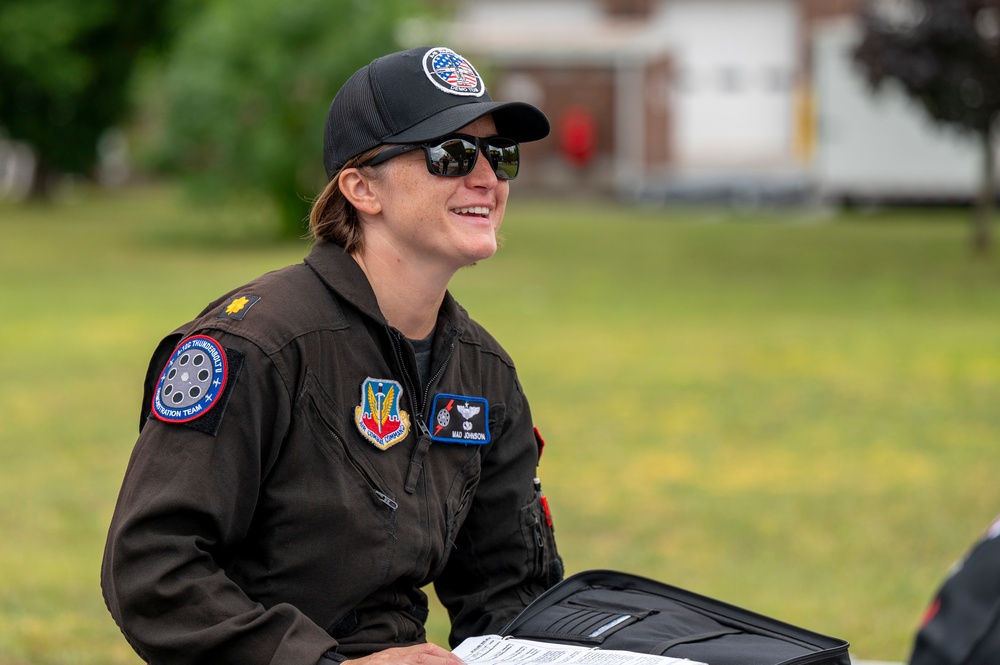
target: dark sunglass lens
453 157
505 157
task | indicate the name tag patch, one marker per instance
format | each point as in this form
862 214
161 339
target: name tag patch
460 419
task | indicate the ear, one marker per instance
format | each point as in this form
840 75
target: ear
357 189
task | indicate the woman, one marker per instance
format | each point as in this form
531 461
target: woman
320 444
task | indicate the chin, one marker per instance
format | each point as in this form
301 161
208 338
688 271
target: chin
488 251
482 247
474 257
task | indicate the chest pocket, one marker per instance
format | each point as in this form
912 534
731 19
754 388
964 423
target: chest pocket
357 503
460 499
463 488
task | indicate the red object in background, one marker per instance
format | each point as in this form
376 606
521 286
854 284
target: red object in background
577 136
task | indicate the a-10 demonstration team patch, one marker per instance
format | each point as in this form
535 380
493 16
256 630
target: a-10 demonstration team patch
460 419
192 381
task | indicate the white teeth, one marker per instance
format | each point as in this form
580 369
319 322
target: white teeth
476 210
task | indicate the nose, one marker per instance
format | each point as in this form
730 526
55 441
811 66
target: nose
482 174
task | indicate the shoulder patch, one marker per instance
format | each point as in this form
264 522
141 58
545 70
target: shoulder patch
193 381
238 307
460 419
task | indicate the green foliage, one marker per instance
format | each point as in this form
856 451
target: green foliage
792 414
249 85
944 53
65 67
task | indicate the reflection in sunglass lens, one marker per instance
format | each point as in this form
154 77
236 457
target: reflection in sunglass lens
452 157
457 156
504 156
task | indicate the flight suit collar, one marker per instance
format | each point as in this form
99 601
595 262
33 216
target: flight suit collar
341 272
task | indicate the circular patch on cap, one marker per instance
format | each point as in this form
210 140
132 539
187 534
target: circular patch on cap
452 73
192 381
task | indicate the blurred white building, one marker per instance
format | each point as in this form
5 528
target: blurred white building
688 98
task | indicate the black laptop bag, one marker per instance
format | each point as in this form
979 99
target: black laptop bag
613 610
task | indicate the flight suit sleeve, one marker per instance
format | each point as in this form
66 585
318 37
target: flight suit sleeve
186 503
504 554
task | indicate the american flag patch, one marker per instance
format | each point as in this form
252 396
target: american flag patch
452 73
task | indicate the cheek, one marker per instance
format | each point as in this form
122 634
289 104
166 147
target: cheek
404 179
502 193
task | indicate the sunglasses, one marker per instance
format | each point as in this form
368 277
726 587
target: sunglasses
456 154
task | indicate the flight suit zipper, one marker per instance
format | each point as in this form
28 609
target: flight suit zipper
424 439
419 402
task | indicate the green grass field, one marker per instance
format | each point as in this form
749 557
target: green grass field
792 412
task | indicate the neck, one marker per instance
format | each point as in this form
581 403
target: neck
408 296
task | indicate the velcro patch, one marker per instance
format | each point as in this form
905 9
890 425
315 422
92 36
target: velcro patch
192 385
460 419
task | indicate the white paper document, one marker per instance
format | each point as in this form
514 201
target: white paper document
496 650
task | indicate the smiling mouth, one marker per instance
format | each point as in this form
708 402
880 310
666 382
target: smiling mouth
479 211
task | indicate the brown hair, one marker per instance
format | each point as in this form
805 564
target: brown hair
333 218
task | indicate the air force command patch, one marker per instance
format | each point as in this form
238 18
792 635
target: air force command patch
192 380
379 418
452 73
459 419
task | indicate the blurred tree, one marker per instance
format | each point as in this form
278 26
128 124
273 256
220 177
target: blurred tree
64 72
247 89
946 55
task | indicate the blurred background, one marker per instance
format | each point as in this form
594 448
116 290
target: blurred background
739 101
749 279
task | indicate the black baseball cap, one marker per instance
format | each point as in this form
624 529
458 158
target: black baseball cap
414 96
